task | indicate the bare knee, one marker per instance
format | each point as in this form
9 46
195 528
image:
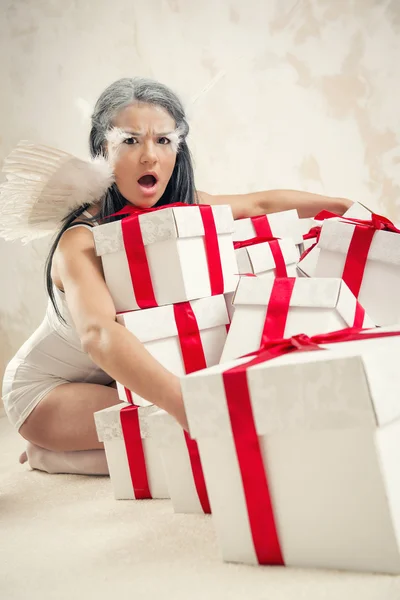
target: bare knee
40 437
63 421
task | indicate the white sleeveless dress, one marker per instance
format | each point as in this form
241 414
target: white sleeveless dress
52 356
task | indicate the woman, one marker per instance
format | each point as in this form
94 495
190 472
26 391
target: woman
65 371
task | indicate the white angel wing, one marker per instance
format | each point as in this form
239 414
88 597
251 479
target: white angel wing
43 185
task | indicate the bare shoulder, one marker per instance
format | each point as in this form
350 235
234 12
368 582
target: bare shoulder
75 255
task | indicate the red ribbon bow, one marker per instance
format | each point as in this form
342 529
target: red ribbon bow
254 241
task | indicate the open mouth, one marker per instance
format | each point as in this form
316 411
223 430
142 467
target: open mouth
147 181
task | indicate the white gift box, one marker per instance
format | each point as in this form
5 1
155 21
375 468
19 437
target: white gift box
156 328
329 432
285 224
316 306
380 288
258 259
171 441
173 239
307 265
306 223
110 432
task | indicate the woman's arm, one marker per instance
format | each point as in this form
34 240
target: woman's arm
110 345
261 203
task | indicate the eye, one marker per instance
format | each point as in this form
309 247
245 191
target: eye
164 141
130 141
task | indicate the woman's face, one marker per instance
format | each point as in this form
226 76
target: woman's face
146 159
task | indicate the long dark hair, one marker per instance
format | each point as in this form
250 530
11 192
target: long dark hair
180 187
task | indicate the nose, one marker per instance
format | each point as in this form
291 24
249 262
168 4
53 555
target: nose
149 154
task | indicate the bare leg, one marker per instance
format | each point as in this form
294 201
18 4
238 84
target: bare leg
63 421
61 431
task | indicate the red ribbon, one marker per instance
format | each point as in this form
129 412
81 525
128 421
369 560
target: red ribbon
261 226
212 250
193 360
137 258
314 232
134 450
253 242
251 465
253 471
278 308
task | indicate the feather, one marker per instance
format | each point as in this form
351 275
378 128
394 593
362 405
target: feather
43 185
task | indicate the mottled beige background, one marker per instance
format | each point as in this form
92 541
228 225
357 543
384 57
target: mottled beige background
280 93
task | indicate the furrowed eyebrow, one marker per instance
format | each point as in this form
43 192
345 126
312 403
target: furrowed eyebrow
134 133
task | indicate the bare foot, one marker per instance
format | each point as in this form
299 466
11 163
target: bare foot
84 462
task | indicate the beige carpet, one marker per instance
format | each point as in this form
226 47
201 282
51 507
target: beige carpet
65 537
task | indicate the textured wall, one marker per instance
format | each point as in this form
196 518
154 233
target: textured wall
280 93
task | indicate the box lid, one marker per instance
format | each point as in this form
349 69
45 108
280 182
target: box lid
162 225
323 292
108 421
159 322
348 385
164 429
285 224
260 258
316 292
358 211
336 236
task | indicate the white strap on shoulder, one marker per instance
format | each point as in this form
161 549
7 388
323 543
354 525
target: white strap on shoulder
80 225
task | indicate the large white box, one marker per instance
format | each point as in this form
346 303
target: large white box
110 432
328 428
156 328
186 495
380 288
175 252
259 260
285 224
316 306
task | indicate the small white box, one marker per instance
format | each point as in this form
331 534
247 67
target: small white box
307 265
328 427
316 306
172 442
285 224
109 431
156 328
173 239
258 259
380 288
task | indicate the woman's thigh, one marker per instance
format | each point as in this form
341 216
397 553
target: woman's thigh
63 420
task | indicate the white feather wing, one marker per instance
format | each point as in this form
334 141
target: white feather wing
43 185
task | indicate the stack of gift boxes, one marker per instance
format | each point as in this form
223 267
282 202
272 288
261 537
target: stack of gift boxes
283 332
